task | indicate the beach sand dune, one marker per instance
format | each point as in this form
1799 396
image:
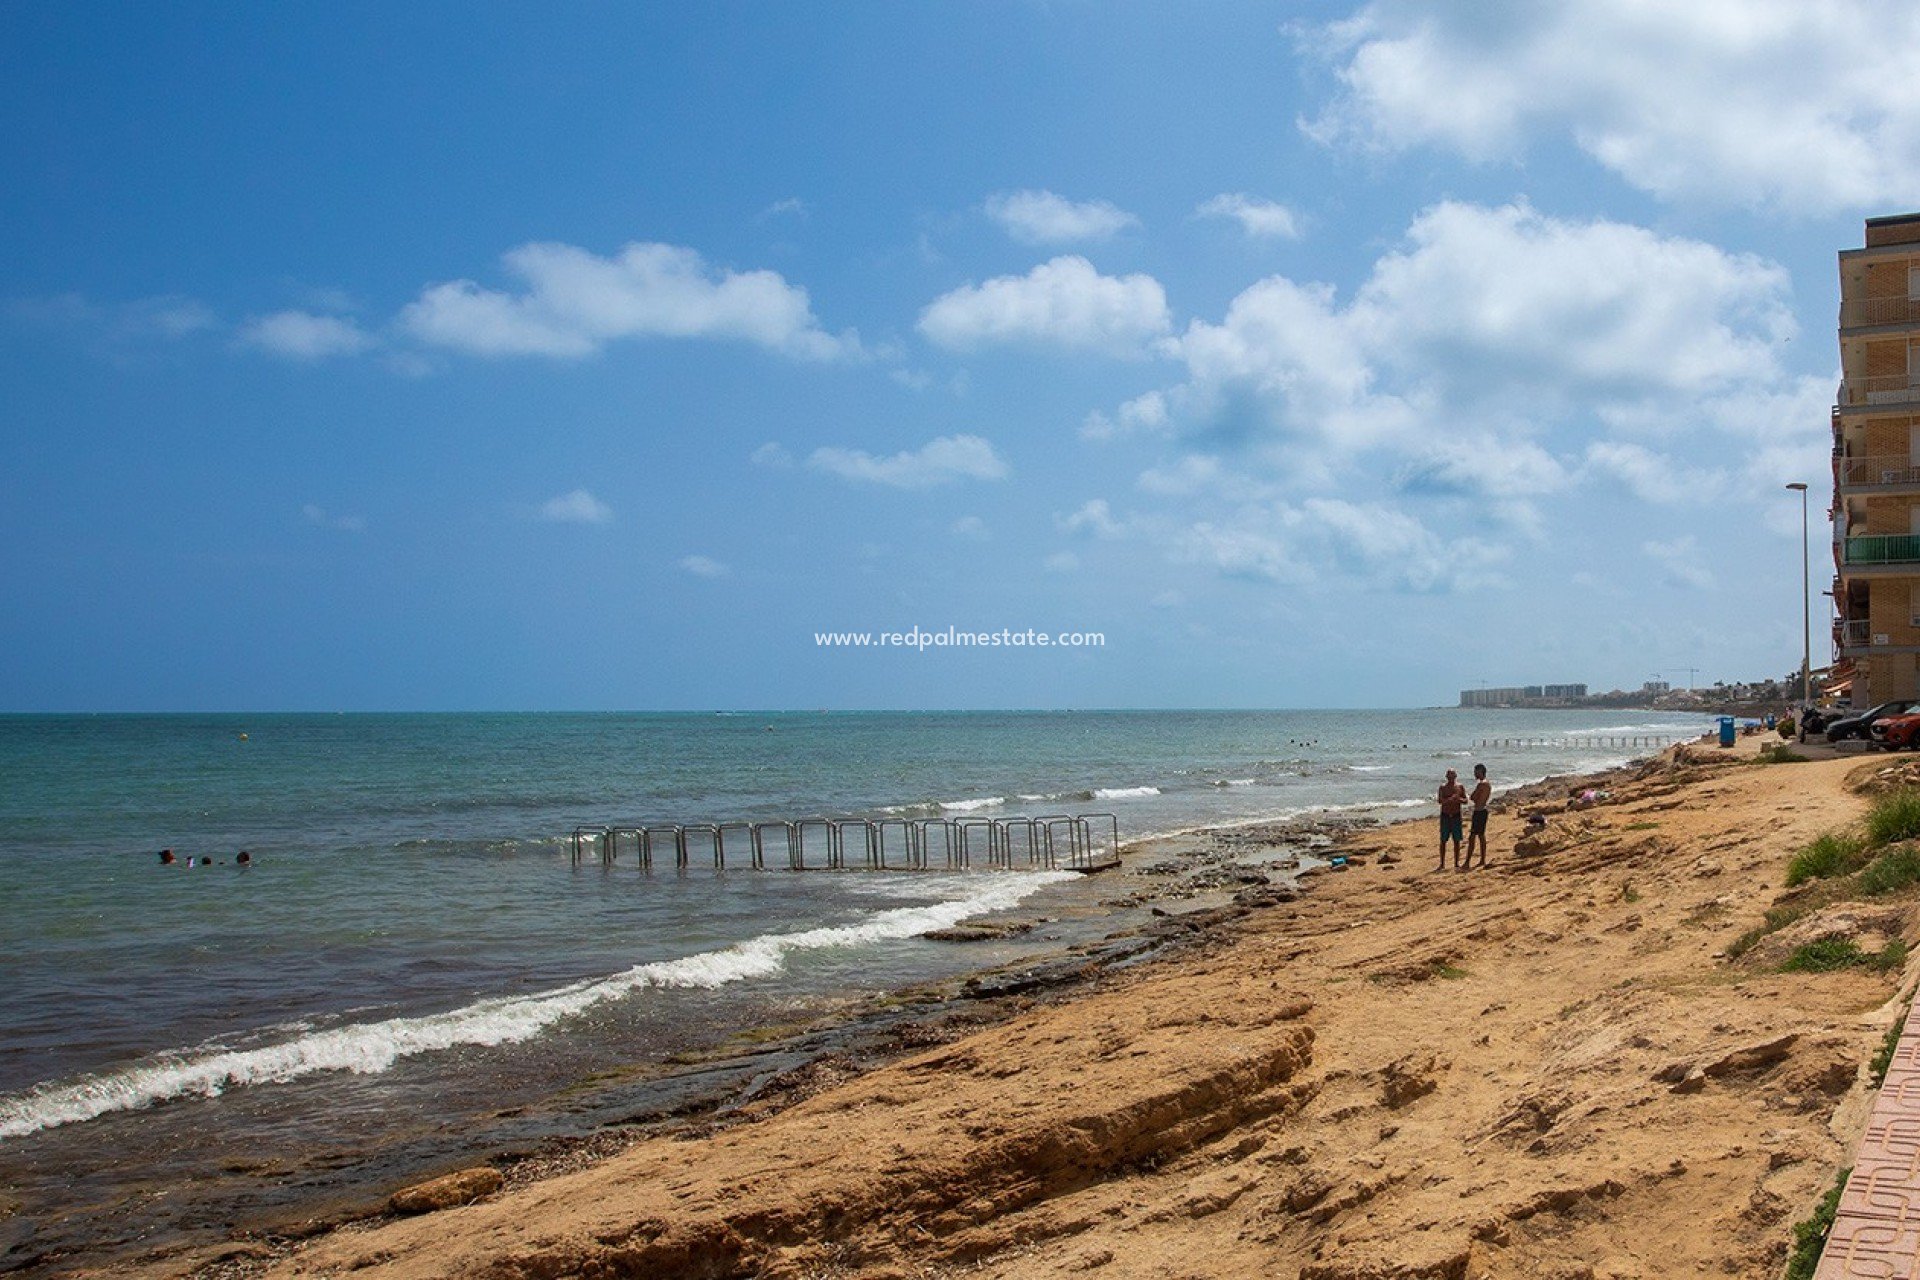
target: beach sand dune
1546 1070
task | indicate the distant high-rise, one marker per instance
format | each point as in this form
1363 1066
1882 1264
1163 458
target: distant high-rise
1876 461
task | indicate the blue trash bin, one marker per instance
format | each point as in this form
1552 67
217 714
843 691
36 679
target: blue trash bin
1726 731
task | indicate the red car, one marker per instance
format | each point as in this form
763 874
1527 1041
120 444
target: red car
1895 732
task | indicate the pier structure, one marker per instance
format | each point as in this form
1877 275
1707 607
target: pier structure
1658 741
1052 842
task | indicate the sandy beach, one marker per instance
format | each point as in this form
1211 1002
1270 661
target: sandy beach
1547 1069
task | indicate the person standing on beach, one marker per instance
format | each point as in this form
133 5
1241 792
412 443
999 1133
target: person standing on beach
1477 833
1452 797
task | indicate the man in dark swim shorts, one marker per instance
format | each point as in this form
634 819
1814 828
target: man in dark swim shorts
1452 797
1477 833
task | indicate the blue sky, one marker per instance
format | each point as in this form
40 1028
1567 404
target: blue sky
446 356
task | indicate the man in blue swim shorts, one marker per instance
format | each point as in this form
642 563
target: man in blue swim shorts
1453 797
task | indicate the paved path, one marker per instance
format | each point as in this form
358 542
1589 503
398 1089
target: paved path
1877 1230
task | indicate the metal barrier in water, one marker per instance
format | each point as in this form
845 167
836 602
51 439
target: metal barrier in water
1054 842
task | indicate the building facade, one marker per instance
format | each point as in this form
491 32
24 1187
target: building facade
1876 459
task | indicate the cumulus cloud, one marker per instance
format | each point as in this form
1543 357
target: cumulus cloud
1681 562
1803 106
1143 413
1262 219
1484 314
577 507
771 454
1062 303
1652 477
305 336
1094 517
939 461
704 567
572 303
1043 218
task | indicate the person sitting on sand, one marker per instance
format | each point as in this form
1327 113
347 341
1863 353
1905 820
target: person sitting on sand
1477 833
1452 797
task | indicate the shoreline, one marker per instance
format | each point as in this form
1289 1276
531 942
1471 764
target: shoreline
1569 1145
760 1071
765 1069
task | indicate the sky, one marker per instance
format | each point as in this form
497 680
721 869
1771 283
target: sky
462 356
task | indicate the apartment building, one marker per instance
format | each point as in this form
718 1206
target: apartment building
1876 459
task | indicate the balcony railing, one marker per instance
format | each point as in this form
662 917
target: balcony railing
1888 469
1884 548
1892 388
1854 633
1896 309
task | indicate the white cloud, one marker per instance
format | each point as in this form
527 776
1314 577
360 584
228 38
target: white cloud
1064 303
1681 561
574 303
1061 562
1043 218
1802 105
1240 552
1487 314
302 335
704 567
969 527
1260 218
1395 550
577 507
1650 476
1094 517
1143 413
318 515
792 206
939 461
771 454
168 317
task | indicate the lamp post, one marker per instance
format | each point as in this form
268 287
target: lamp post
1806 619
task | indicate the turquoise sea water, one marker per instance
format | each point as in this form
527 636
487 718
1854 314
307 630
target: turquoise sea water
413 942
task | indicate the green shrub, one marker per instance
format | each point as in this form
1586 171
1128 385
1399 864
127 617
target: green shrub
1895 816
1837 853
1810 1236
1824 955
1895 869
1892 957
1780 753
1786 726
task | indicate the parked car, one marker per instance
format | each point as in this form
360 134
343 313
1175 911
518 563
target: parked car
1896 732
1857 726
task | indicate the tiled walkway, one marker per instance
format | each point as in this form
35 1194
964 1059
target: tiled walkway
1877 1230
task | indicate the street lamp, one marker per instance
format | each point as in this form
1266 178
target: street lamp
1806 619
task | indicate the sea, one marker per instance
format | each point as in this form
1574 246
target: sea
413 947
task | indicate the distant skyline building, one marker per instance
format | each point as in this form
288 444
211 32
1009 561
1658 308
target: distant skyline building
1521 695
1876 463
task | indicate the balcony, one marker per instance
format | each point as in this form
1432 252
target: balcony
1874 550
1887 389
1889 473
1863 313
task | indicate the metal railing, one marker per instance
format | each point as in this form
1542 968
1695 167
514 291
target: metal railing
1854 633
1052 842
1890 388
1889 309
1878 469
1886 548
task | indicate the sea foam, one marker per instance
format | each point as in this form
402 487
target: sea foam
367 1048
